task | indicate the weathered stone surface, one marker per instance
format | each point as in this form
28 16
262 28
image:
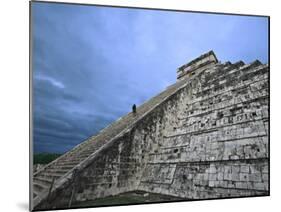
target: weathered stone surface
206 136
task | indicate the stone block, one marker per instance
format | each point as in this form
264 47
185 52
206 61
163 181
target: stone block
265 177
235 169
206 176
217 183
266 186
212 177
220 176
242 185
212 169
235 176
227 176
234 157
199 176
265 169
259 186
244 177
254 169
223 183
211 183
255 177
190 176
244 169
231 184
227 169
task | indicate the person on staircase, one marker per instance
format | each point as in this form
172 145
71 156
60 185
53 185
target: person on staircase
134 109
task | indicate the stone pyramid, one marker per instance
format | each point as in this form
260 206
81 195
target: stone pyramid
204 137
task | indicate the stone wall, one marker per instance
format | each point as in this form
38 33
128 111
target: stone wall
214 138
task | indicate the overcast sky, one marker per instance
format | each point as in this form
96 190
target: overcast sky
91 64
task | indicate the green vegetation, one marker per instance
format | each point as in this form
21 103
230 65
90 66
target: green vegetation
44 158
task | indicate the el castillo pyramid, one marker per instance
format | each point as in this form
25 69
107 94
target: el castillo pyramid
204 137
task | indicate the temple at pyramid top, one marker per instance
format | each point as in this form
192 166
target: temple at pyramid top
204 61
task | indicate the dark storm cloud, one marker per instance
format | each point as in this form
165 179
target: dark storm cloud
91 64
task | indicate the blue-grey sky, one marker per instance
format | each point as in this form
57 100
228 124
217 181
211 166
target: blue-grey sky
91 64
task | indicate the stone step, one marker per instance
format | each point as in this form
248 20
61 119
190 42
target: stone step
38 187
58 171
94 149
50 175
254 73
237 87
63 166
36 193
212 74
85 155
42 180
239 64
232 72
70 161
191 113
254 64
209 90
